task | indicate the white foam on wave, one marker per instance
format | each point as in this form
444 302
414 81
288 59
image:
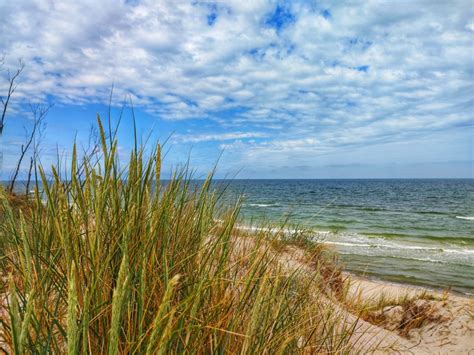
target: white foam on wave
348 243
467 218
462 251
261 205
353 243
401 247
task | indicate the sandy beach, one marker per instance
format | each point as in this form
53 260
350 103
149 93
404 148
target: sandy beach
449 329
439 322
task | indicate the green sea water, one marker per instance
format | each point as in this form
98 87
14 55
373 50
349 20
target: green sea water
411 231
408 230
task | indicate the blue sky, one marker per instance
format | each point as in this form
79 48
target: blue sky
299 89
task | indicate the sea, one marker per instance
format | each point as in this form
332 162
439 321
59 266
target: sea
415 231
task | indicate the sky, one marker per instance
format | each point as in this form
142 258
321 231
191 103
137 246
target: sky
265 89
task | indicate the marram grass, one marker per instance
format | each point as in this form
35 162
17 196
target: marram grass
110 260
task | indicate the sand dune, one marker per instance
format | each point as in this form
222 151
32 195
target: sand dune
447 326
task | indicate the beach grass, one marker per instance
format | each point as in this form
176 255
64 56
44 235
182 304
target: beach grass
108 259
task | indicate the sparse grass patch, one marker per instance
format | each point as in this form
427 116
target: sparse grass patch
416 313
398 313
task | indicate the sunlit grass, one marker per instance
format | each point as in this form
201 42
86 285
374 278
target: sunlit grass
111 260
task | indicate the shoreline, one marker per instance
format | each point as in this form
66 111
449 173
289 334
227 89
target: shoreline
398 287
394 317
320 236
408 286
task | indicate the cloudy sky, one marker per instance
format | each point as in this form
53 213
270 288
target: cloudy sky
284 89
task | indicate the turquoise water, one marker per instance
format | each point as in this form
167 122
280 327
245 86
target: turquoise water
412 231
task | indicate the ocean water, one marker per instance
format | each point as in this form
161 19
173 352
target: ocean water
406 230
409 230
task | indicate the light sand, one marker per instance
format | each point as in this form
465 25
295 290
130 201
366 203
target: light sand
449 329
452 333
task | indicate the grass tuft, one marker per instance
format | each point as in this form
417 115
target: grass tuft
111 259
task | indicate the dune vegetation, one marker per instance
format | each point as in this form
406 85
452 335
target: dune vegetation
108 259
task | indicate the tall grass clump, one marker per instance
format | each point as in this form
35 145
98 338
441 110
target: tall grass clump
112 260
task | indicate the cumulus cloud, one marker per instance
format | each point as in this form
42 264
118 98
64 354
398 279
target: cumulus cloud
316 76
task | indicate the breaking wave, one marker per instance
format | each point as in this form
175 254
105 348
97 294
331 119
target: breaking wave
468 218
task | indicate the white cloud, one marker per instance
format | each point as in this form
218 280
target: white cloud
360 73
197 138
